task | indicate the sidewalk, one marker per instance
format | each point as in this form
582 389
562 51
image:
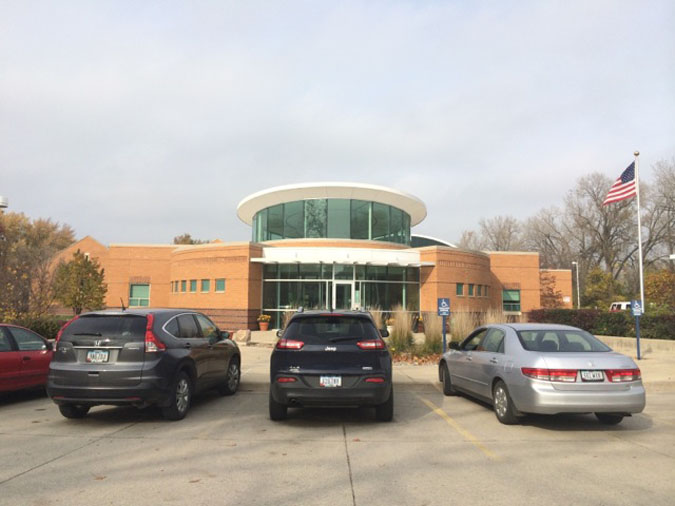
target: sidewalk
657 366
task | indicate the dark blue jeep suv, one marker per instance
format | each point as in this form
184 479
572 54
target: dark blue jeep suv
331 359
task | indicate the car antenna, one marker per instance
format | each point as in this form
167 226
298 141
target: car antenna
122 302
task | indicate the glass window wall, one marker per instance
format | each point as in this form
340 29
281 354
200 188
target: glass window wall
315 218
360 219
339 225
332 218
289 286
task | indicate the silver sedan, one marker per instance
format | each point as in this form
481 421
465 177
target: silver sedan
540 368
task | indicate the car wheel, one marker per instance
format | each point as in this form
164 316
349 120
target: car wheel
181 397
73 410
385 412
609 419
503 404
232 378
448 389
278 411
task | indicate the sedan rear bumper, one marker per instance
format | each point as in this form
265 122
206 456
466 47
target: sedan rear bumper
542 398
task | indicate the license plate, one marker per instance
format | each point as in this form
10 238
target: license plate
592 376
330 381
97 356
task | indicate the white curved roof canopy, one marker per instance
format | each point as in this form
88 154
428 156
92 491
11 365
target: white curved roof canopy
248 207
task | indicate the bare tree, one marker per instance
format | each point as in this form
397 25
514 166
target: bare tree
187 239
601 235
544 232
471 240
501 233
598 237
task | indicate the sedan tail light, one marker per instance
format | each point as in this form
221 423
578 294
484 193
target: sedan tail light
560 375
623 375
289 344
371 344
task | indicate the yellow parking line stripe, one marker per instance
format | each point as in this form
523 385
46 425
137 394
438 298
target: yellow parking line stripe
437 387
462 431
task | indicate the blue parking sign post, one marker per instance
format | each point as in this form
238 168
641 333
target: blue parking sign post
444 311
636 311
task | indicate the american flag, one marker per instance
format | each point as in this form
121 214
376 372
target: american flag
623 188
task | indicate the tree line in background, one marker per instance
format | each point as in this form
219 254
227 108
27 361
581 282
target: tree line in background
601 239
30 283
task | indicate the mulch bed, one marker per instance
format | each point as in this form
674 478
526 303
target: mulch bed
412 359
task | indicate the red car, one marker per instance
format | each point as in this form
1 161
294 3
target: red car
24 358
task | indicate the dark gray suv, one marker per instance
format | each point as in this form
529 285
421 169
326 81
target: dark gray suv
140 357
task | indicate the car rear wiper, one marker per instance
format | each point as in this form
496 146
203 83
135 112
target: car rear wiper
343 338
96 334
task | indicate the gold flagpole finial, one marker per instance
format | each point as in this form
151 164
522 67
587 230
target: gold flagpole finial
636 153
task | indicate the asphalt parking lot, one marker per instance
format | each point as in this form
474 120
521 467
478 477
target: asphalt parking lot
438 450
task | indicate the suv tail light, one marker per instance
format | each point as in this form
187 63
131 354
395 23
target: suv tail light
371 344
60 332
286 379
289 344
561 375
152 342
622 375
375 379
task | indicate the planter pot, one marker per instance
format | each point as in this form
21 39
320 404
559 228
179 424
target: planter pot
264 325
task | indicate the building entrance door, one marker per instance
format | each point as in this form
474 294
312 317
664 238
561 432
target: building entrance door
343 294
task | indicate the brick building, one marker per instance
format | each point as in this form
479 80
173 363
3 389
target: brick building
322 245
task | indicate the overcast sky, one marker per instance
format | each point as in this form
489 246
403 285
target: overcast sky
139 121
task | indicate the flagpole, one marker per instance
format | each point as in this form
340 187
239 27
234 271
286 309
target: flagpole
637 189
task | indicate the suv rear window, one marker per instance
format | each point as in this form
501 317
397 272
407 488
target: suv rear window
323 329
118 327
564 341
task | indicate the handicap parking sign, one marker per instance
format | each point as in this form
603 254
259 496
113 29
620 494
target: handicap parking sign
443 307
636 308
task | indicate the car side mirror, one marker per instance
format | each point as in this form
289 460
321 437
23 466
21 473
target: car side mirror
224 334
384 332
280 333
49 346
454 345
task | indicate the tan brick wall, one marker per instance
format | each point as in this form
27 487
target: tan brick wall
563 284
241 302
518 271
454 266
229 261
127 264
86 245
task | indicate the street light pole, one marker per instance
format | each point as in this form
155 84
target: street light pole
576 265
